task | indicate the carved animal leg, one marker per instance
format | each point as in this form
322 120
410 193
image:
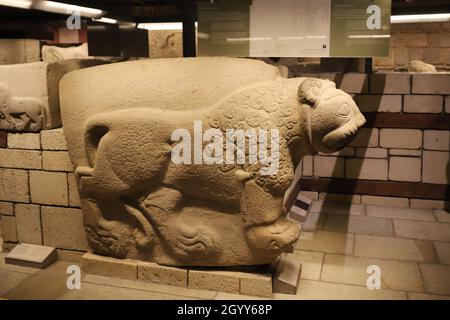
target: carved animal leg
25 121
187 241
266 229
10 123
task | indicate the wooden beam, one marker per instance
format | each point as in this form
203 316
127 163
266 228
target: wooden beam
376 188
407 121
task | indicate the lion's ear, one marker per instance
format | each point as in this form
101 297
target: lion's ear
309 91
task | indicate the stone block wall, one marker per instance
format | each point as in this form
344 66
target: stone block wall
401 158
405 143
39 201
429 42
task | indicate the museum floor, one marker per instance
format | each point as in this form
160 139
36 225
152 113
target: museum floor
410 246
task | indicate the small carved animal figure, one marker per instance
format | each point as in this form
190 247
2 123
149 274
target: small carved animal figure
20 113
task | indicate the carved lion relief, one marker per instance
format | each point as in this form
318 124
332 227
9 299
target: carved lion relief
138 203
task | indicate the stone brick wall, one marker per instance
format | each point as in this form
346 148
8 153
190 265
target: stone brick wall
415 150
429 42
39 202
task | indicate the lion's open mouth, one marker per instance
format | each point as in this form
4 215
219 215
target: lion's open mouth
342 136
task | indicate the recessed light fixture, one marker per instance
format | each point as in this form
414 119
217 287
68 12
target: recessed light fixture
64 8
417 18
162 26
106 20
24 4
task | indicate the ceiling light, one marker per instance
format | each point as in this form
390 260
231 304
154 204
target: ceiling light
177 26
416 18
64 8
106 20
24 4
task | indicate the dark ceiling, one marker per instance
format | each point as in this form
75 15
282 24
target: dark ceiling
169 10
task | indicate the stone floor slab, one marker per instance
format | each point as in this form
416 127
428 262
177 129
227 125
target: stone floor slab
323 241
395 275
311 263
442 215
443 251
337 207
400 213
395 249
422 230
358 225
436 278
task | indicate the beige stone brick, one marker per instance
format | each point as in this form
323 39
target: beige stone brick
442 215
63 228
437 140
385 201
436 278
401 56
366 138
14 185
53 139
307 166
423 104
394 248
20 159
69 255
400 213
56 161
396 275
405 169
337 208
434 168
429 204
370 169
74 196
358 225
390 83
345 152
310 194
311 263
29 228
6 208
439 39
225 281
256 284
425 296
431 83
319 290
24 141
323 241
49 187
110 267
422 230
401 138
9 228
443 252
447 104
380 103
377 153
328 166
405 152
336 197
314 221
354 83
152 272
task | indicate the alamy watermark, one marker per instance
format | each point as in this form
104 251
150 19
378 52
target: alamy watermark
236 146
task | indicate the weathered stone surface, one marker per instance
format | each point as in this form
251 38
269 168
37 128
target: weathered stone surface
380 103
14 186
436 278
328 167
9 230
6 208
21 159
29 229
385 201
399 213
401 138
437 140
371 169
255 284
435 168
24 141
118 131
390 83
111 267
423 104
56 161
152 272
431 83
225 281
63 228
74 196
49 187
422 230
53 140
405 169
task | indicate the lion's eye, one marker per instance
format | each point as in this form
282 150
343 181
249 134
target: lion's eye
344 111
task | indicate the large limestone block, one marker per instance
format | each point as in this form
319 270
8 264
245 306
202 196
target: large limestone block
139 202
29 94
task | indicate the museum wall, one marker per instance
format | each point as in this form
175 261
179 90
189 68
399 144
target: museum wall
429 42
13 51
402 151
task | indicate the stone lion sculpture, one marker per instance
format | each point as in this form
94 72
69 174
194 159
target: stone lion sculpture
139 203
19 113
